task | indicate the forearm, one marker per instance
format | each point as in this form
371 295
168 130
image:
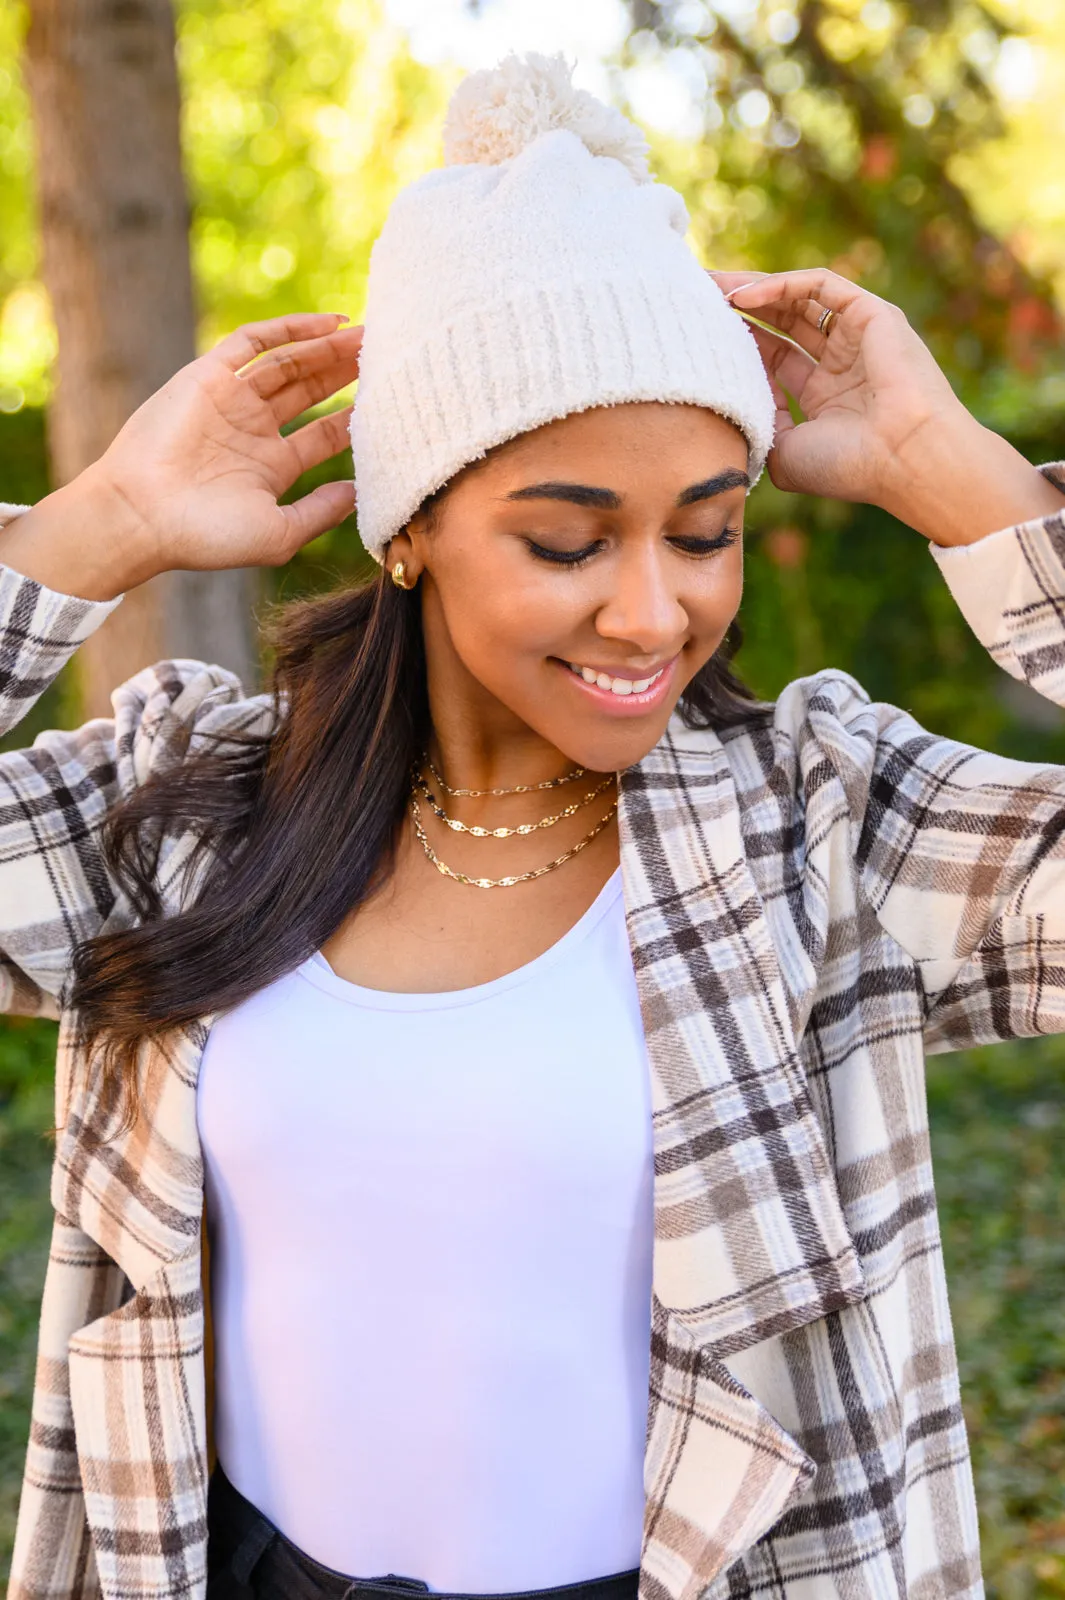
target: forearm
82 540
958 481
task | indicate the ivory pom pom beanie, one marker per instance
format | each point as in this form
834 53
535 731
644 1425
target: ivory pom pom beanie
541 271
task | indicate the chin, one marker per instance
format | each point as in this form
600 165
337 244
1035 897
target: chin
608 749
603 730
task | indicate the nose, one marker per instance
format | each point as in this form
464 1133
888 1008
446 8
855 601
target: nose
643 608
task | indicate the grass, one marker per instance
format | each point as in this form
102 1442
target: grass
998 1123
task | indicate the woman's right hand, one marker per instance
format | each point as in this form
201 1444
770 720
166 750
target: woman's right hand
192 480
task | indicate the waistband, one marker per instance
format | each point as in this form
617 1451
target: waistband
249 1559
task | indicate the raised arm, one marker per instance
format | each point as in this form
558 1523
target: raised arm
961 853
192 481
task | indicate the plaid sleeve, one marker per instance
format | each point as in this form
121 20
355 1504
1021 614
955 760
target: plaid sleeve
962 852
55 889
1010 588
39 632
51 892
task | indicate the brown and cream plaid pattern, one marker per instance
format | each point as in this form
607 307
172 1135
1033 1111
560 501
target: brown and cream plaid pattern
814 900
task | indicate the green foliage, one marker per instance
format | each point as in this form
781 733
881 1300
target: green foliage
27 1053
834 133
833 585
998 1120
18 241
27 338
300 122
23 480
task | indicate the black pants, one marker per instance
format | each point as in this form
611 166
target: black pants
248 1559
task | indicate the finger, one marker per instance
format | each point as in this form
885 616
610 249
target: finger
784 364
732 282
253 338
783 425
293 402
317 512
292 399
783 422
792 372
791 326
278 370
729 282
782 289
319 440
781 352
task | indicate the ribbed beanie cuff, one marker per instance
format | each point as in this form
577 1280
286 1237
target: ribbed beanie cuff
521 361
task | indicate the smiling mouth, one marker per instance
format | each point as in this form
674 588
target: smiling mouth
619 686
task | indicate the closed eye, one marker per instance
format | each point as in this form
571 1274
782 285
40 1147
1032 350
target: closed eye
705 547
689 545
564 558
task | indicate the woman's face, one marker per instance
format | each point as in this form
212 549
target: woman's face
575 581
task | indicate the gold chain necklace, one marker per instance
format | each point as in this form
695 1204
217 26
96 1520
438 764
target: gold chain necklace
521 788
505 833
518 877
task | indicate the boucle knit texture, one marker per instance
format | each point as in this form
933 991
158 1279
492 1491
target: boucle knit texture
541 273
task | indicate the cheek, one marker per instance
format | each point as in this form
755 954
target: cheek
503 623
713 593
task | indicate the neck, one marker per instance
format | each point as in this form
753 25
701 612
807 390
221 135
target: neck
479 763
475 741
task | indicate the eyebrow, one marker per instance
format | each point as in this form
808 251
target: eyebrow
730 478
579 494
585 494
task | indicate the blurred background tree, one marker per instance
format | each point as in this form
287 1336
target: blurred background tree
915 148
115 262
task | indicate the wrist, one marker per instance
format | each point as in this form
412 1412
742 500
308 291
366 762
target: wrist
83 539
956 481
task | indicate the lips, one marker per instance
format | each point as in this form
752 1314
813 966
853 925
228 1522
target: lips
616 685
615 695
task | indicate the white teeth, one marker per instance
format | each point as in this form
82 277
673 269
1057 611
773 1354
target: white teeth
621 686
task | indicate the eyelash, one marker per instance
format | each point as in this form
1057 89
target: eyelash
699 548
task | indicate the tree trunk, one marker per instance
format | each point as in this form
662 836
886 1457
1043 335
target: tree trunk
103 85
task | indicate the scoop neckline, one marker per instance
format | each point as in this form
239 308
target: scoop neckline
317 971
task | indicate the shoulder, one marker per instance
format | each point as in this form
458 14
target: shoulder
821 730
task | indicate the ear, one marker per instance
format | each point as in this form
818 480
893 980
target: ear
401 548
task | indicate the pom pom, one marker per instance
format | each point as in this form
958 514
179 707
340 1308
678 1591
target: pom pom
494 114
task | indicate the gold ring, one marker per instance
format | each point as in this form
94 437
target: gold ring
824 321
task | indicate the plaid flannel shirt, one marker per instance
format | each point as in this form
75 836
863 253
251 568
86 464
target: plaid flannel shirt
814 899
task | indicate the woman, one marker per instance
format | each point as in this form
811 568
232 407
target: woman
513 938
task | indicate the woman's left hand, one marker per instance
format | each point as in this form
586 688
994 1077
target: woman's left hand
869 388
882 423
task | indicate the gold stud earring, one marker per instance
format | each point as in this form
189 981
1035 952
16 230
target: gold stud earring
399 576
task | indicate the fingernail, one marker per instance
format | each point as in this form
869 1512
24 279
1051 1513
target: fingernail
342 315
739 286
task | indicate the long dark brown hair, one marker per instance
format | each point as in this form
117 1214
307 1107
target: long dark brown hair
296 824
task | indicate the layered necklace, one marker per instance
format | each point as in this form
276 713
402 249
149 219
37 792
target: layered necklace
421 791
